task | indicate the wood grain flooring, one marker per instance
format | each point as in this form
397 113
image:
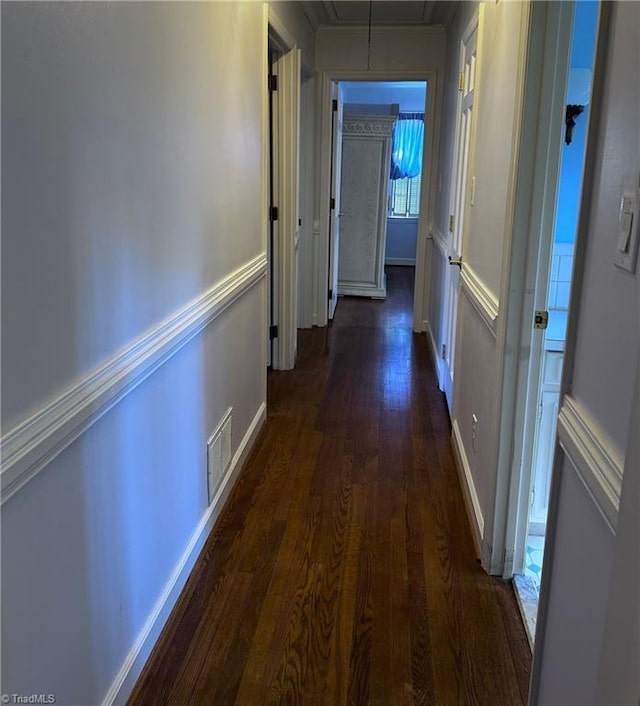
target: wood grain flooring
342 570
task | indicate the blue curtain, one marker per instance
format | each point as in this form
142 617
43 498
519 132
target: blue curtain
406 150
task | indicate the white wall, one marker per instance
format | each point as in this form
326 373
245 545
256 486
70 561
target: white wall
499 64
589 646
392 48
409 95
132 139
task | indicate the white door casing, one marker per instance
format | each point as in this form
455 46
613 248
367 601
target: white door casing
524 285
334 206
459 200
286 155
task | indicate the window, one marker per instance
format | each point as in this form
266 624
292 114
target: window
406 165
404 197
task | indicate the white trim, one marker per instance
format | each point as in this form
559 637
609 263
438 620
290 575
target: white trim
597 462
37 440
132 667
368 125
440 241
436 358
402 261
348 289
483 300
544 31
278 30
287 189
468 487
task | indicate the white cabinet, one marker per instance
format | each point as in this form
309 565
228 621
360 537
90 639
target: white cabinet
366 156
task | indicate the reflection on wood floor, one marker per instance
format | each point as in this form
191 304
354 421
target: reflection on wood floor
342 570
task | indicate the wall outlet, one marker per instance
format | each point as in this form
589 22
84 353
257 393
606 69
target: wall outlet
474 432
218 454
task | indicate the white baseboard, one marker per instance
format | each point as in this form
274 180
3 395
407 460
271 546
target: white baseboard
435 355
403 261
132 667
468 487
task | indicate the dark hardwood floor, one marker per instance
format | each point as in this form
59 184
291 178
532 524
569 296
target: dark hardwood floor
342 570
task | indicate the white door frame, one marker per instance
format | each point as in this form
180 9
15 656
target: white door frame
335 197
427 195
287 187
530 242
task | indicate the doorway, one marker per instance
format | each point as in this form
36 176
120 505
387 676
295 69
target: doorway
553 279
396 108
329 89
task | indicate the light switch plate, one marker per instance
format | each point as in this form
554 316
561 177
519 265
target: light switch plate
627 235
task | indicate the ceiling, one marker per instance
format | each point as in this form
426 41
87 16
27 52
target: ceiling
383 12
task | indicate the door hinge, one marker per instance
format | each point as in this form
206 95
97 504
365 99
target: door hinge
332 204
452 223
461 81
334 105
273 83
540 412
273 332
541 319
330 293
273 213
444 351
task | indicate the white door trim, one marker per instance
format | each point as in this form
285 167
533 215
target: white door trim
287 189
335 196
427 196
535 256
288 178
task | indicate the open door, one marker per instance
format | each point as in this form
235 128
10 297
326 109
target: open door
285 223
550 273
459 200
334 206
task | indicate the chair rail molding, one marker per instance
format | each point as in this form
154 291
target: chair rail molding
483 300
597 462
34 442
439 240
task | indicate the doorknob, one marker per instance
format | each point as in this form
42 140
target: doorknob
455 262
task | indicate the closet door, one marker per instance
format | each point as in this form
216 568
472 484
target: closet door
366 154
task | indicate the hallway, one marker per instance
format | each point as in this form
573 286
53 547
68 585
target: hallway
342 569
